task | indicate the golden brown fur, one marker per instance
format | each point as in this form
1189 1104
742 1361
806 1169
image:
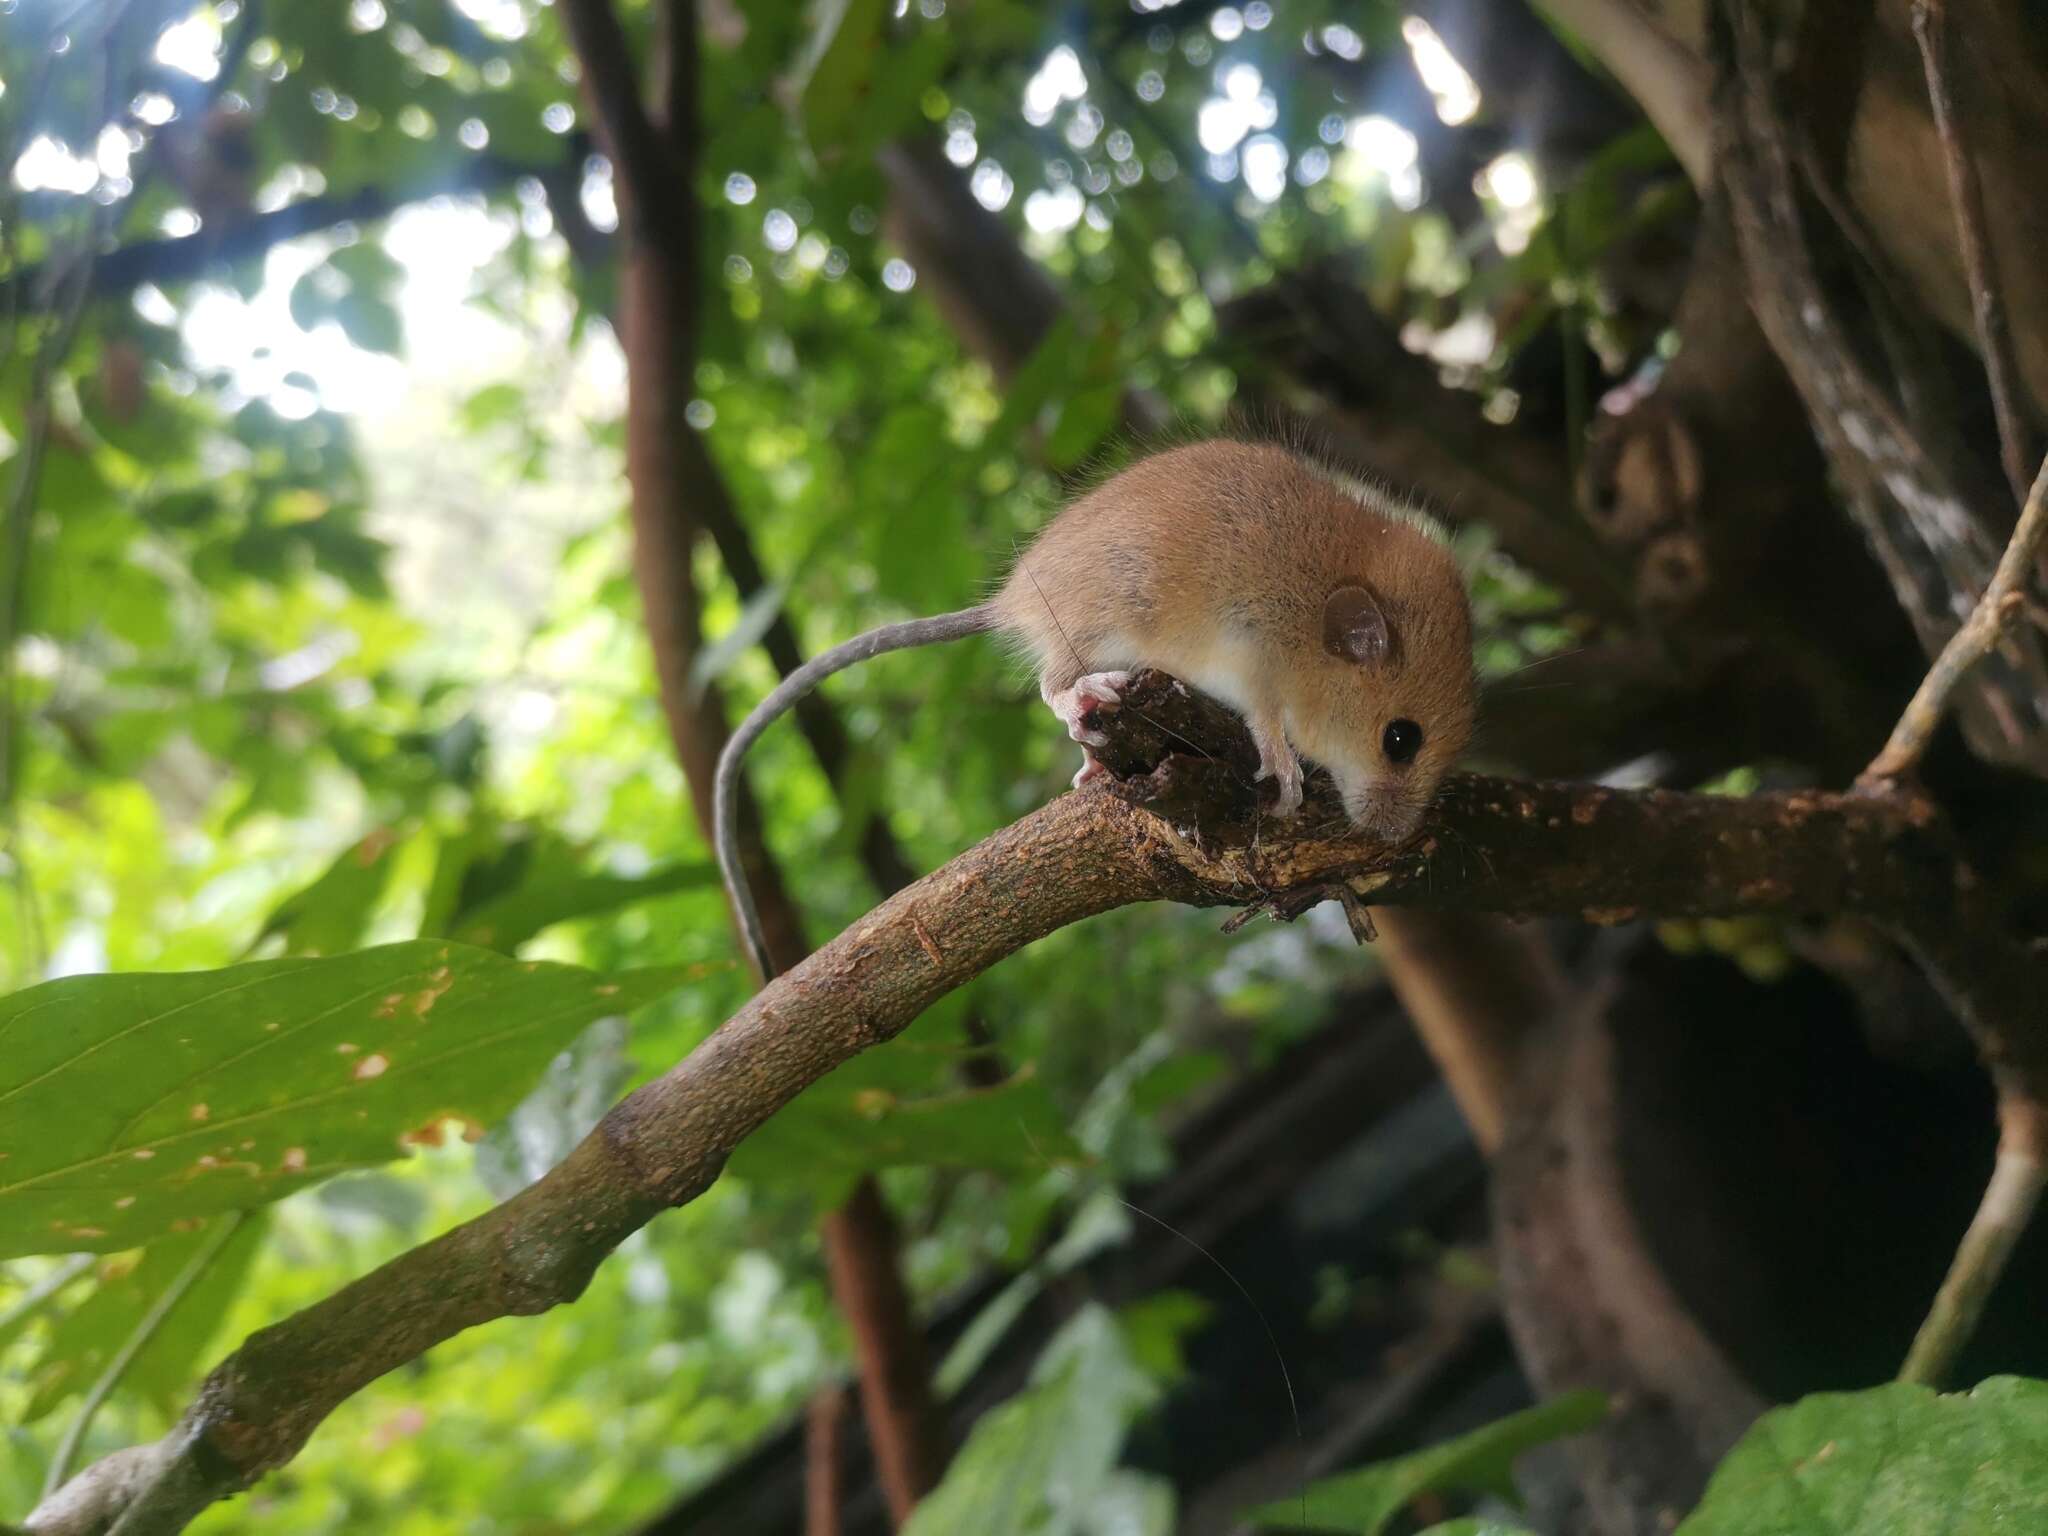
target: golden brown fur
1213 562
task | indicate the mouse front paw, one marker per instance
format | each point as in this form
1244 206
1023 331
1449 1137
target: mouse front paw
1278 762
1095 690
1288 801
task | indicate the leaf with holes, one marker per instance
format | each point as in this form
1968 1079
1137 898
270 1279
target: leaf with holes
132 1105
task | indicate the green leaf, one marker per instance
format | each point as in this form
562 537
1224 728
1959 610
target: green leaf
368 267
1085 420
508 921
1155 1327
371 322
858 1121
88 1337
496 887
1366 1501
717 658
1128 1503
492 406
1895 1458
131 1103
343 550
352 288
864 86
1039 1464
331 915
1101 1222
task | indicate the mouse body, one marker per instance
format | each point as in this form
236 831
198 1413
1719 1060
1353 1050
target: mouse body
1324 614
1332 618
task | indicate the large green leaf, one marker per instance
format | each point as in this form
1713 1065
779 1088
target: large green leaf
1044 1462
130 1284
132 1103
1895 1458
1366 1501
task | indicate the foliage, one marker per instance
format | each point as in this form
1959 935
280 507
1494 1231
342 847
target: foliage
1895 1458
139 1104
329 705
1044 1464
1368 1500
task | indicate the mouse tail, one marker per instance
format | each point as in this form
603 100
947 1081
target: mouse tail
725 793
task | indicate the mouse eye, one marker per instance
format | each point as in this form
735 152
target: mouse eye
1401 740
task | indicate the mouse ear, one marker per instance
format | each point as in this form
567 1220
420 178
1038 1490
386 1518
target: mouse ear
1355 627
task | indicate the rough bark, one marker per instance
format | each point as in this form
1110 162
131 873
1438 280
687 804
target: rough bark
1916 509
1891 155
1710 486
1473 987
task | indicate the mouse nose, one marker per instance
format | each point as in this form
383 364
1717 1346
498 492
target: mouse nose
1390 818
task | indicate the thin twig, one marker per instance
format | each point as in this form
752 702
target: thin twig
133 1345
1980 266
2008 1204
2004 600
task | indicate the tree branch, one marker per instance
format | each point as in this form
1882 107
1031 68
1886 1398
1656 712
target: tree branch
1665 79
2003 600
643 158
2009 1202
163 262
2006 1030
1169 827
1987 295
824 1477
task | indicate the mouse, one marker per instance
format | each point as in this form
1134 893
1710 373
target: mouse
1330 615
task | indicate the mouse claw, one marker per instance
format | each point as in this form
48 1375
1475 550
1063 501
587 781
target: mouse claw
1091 769
1288 801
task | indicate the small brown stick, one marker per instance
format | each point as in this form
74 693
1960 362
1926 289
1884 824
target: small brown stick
2003 601
1980 267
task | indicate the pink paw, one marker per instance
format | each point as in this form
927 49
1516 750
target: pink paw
1096 690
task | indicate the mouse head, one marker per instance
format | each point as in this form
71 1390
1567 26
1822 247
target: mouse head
1393 683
